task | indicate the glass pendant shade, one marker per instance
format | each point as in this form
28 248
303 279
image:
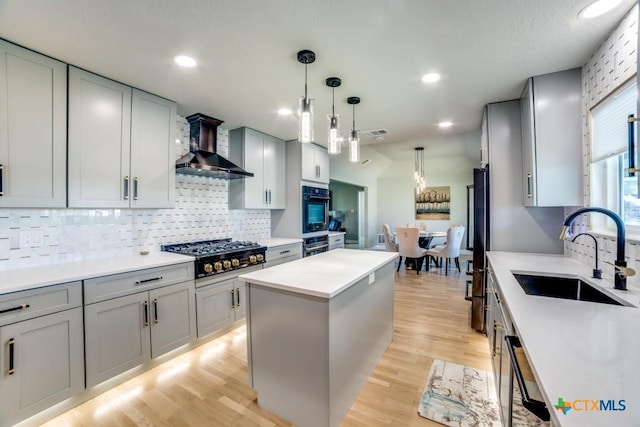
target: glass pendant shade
305 120
418 173
354 146
334 140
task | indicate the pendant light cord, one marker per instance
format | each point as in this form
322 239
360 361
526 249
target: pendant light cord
305 82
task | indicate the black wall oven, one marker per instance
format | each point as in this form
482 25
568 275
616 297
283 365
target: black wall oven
315 209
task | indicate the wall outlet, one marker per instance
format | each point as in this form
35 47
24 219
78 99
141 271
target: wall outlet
31 238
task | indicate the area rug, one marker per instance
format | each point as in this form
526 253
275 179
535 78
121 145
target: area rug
459 396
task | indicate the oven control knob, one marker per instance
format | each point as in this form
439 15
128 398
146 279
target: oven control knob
252 259
226 263
217 266
208 268
235 262
260 257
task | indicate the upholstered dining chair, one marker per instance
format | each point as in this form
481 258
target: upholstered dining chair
389 244
408 246
451 249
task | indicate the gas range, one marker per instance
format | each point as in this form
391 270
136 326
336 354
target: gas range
220 256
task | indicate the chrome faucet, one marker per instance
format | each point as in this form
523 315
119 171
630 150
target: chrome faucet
597 273
622 271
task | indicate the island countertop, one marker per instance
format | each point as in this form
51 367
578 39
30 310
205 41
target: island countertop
324 275
578 350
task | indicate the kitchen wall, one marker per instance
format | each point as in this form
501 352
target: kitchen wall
451 165
611 65
201 212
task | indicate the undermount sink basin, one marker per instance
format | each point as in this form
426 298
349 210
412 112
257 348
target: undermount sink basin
563 287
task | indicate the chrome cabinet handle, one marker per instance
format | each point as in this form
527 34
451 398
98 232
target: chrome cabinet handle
238 297
135 188
269 196
266 197
529 185
126 188
1 187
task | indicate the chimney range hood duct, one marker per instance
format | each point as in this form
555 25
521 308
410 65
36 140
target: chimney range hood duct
202 159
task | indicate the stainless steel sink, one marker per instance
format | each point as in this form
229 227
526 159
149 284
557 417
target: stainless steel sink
563 287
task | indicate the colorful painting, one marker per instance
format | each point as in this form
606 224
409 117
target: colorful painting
433 203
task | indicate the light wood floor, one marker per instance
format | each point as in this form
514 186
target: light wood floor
208 386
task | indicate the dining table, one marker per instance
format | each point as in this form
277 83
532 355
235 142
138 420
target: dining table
425 237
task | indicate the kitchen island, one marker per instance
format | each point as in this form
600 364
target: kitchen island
583 354
316 328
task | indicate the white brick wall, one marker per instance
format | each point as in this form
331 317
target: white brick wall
611 65
201 213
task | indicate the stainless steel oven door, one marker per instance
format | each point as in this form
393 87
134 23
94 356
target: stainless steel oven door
315 245
315 209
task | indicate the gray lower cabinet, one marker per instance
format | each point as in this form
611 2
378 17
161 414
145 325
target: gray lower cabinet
124 332
219 305
42 363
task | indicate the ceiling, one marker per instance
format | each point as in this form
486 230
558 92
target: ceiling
247 66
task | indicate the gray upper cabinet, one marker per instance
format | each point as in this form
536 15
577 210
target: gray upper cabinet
264 156
121 151
552 139
33 129
315 163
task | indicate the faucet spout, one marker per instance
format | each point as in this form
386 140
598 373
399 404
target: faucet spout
620 278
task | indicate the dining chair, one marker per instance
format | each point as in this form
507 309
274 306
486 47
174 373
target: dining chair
408 246
451 248
389 244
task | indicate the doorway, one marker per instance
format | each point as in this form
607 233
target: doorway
348 205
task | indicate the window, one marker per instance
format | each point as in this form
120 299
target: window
610 186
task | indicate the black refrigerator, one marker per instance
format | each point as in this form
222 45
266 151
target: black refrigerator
481 244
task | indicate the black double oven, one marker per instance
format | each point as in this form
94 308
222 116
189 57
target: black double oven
315 220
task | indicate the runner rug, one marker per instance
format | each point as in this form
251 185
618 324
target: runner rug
459 396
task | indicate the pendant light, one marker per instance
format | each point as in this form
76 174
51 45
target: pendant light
305 110
354 135
334 141
418 172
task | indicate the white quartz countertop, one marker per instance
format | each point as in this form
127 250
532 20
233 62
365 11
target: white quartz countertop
578 350
34 277
324 275
274 242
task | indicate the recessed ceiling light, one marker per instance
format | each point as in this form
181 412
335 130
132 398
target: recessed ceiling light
185 61
285 111
446 124
597 8
431 78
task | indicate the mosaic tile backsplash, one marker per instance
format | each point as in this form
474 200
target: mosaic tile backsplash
201 212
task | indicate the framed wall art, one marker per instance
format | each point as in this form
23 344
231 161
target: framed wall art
433 203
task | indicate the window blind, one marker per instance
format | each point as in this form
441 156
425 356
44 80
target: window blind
609 123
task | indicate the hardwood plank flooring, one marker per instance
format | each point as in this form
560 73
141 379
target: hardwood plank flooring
208 386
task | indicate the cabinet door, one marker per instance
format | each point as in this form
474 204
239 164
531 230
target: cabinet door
99 141
309 166
48 364
528 145
274 172
322 159
153 132
33 129
214 307
116 336
255 195
173 320
240 309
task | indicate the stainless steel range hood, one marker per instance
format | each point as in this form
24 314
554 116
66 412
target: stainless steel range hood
202 160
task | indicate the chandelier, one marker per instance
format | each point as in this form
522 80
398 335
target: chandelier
418 172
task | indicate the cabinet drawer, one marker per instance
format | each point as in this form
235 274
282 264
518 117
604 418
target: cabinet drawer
38 302
336 240
116 285
284 251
